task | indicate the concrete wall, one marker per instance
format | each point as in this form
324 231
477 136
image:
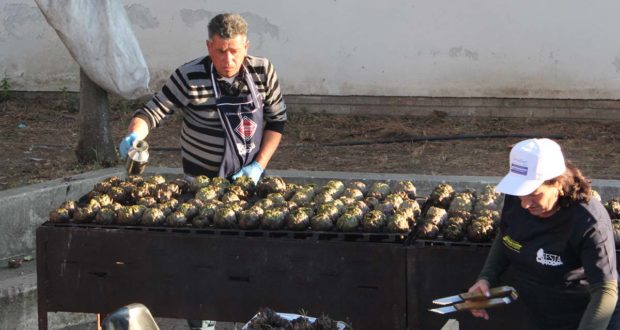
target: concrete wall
480 48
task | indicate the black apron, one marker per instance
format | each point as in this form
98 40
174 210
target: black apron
242 120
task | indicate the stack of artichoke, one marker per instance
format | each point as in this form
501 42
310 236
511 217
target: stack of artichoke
272 204
455 216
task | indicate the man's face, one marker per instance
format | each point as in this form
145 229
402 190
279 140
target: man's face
228 54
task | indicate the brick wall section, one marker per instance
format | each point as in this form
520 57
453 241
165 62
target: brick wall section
484 107
425 106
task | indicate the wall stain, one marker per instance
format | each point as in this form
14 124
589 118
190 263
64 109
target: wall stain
463 52
141 16
552 57
192 17
259 28
616 63
21 21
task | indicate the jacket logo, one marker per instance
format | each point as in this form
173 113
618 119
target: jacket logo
548 259
511 244
246 128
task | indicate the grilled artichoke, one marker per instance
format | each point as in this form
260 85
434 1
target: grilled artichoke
349 221
189 210
299 219
462 202
379 190
321 222
353 193
359 185
156 179
613 208
398 223
405 189
105 216
245 183
147 201
70 205
84 214
428 230
59 215
330 210
441 196
225 217
207 194
374 221
176 219
273 218
615 224
152 217
480 230
277 199
270 184
454 232
264 203
199 182
239 191
130 215
118 194
436 216
334 187
230 197
323 197
411 208
250 218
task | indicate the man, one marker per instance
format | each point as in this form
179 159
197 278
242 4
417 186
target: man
233 110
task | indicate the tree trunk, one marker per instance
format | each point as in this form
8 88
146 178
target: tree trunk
95 144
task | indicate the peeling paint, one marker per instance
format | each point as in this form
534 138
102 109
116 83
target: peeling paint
460 52
141 16
191 17
260 27
552 57
616 63
21 21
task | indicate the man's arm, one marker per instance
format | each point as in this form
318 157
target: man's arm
139 126
271 140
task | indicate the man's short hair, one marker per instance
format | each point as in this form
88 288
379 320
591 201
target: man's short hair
227 26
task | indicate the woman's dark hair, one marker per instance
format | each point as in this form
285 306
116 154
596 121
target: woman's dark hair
575 188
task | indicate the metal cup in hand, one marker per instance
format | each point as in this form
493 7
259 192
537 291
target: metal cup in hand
137 157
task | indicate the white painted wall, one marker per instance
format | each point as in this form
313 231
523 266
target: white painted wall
474 48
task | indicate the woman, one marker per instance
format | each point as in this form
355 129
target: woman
558 240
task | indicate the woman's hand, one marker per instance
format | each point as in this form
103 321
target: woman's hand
483 287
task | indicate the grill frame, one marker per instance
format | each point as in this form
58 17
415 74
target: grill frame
187 273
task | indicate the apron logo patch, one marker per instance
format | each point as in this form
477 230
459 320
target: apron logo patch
246 128
548 259
245 149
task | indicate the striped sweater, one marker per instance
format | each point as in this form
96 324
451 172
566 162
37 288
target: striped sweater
190 90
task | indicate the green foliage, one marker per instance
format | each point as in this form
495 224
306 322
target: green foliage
66 101
5 89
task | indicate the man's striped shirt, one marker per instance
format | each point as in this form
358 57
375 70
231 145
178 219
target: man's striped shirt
190 90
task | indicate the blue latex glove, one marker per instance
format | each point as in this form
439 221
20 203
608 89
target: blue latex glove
253 170
126 143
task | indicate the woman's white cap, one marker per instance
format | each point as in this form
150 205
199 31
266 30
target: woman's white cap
532 162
